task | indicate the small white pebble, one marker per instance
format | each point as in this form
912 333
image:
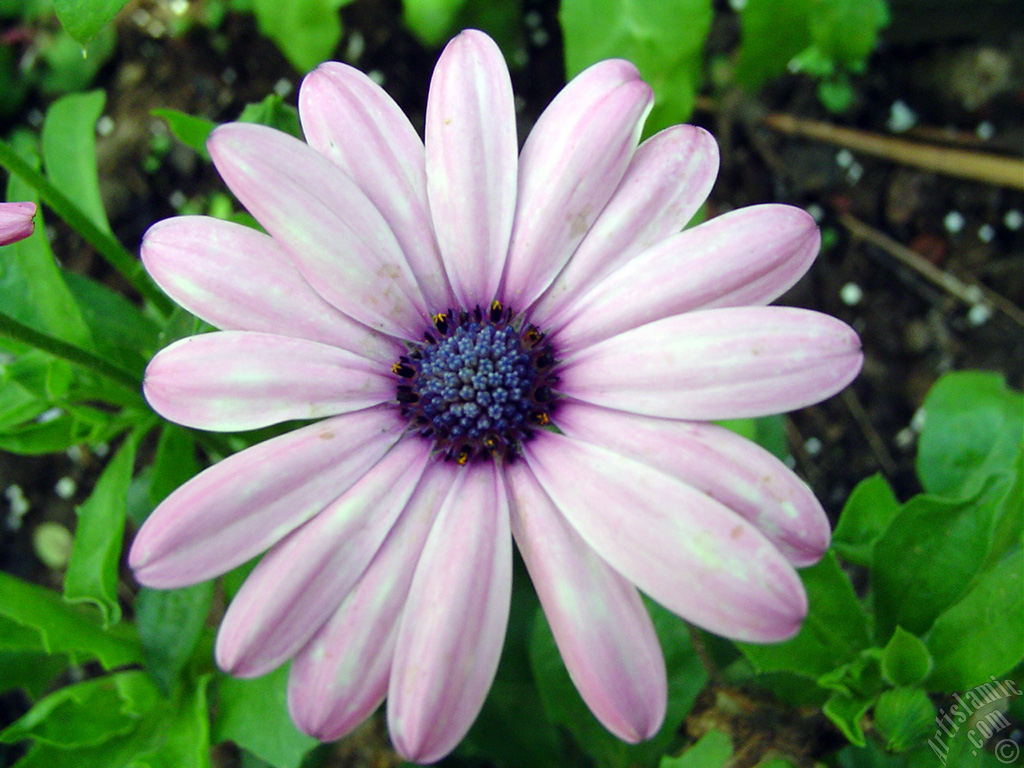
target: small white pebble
101 449
105 125
34 118
48 416
854 172
737 5
178 7
1013 219
18 503
985 130
75 453
816 211
954 222
354 48
65 487
901 117
812 446
229 76
283 87
533 19
52 543
540 37
851 294
918 419
979 314
177 199
986 233
156 28
520 57
844 158
141 17
973 294
905 438
376 75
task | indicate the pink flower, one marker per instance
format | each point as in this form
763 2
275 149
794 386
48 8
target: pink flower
440 309
16 221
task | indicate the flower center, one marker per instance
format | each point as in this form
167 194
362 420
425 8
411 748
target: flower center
478 385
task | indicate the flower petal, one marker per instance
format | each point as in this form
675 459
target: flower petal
687 551
453 627
719 463
718 364
336 236
235 380
241 506
750 256
667 180
352 120
239 279
600 624
302 580
16 221
472 164
571 164
341 676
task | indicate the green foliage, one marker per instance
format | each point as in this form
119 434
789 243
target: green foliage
306 31
665 39
431 20
712 751
83 19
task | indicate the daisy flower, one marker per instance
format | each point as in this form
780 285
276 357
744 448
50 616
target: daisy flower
16 221
497 345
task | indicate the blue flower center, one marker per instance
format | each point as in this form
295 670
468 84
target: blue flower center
478 385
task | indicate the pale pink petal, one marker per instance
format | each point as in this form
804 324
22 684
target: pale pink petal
352 120
667 180
341 676
239 279
236 380
472 164
728 468
687 551
453 626
16 221
600 624
239 507
750 256
572 161
338 239
302 580
718 364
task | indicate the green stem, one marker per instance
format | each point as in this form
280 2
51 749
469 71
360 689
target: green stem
12 329
105 243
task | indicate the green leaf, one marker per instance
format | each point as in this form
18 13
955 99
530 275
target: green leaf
307 32
120 332
772 33
32 288
170 625
432 21
855 687
175 462
190 130
928 557
712 751
686 676
81 424
31 671
80 715
49 624
905 717
84 18
254 715
905 659
273 112
846 31
983 634
69 151
973 427
93 569
663 38
868 512
834 632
